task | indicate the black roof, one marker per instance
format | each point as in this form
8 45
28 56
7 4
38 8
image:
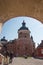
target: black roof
23 27
41 44
3 39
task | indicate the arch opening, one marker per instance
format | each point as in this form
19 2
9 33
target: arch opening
11 27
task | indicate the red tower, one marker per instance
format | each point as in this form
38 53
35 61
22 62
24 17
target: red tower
24 44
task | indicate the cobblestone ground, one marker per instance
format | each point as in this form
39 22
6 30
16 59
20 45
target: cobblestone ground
28 61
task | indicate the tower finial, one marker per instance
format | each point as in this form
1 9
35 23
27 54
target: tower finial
23 24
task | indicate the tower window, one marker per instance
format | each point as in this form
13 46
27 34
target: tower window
20 33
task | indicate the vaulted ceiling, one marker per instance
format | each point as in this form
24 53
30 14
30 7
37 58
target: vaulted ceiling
14 8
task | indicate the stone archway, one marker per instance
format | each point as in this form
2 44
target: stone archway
13 8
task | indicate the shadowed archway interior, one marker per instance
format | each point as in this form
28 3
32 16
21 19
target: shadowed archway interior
14 8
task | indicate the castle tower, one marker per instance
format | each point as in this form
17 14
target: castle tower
23 32
24 45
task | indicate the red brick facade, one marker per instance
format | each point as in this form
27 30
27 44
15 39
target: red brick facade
39 50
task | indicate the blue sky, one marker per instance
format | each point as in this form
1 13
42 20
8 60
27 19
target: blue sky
10 28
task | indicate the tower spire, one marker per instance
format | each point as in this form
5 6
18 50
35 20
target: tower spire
23 24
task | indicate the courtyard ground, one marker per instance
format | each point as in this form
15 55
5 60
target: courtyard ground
28 61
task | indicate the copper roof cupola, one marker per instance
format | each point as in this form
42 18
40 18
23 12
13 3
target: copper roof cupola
23 26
